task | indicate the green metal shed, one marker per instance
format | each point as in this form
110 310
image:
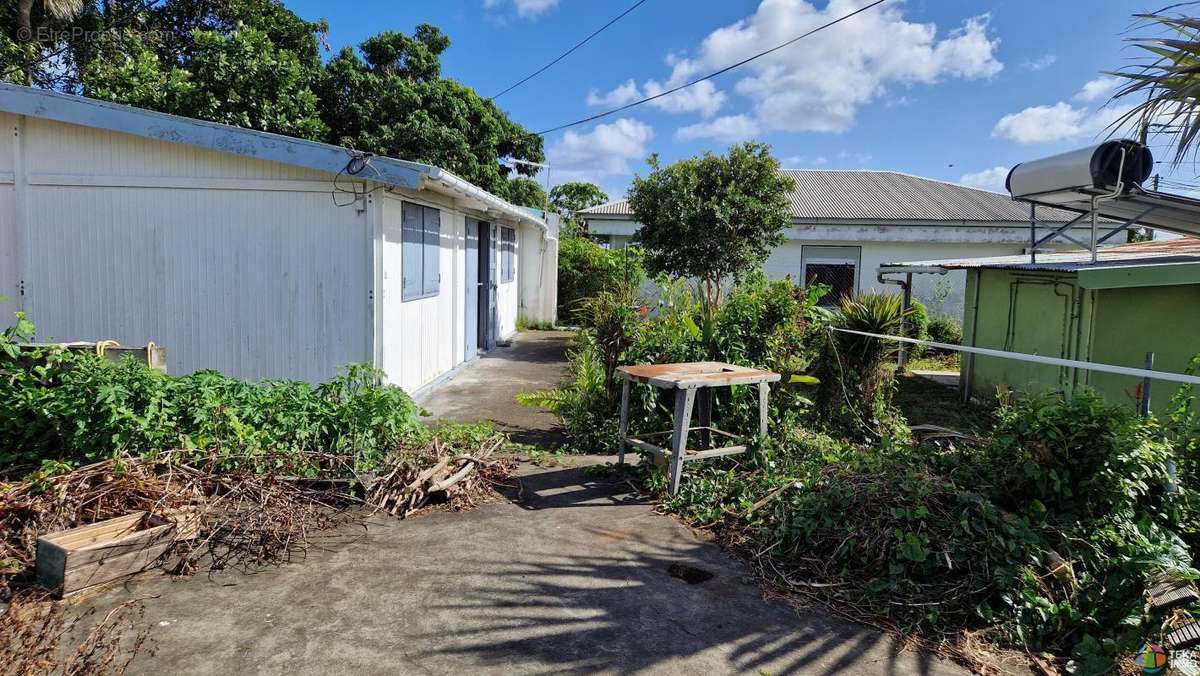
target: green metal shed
1135 299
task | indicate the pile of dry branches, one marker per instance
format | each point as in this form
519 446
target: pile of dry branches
33 630
458 480
238 518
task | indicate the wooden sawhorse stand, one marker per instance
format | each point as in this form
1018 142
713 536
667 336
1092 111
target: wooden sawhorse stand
693 384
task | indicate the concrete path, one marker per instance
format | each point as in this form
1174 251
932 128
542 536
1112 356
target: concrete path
571 575
487 388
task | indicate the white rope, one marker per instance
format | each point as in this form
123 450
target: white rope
1038 359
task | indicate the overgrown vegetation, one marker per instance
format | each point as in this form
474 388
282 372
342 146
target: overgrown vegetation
712 218
1039 531
254 470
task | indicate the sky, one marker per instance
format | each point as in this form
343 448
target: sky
956 90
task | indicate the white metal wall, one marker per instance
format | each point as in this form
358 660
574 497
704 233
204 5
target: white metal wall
422 339
537 270
8 218
239 265
508 297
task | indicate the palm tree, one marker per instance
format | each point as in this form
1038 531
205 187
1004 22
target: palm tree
1168 76
57 9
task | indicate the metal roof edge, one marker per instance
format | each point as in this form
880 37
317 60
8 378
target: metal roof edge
154 125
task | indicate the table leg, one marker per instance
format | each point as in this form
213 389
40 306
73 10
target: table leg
683 420
624 420
764 392
704 399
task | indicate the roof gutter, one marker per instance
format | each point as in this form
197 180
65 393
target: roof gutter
442 181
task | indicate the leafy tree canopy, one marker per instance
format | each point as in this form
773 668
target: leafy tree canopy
568 199
526 192
256 64
712 217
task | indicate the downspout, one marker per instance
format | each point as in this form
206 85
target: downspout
906 291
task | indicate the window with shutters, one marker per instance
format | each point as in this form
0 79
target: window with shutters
508 254
422 232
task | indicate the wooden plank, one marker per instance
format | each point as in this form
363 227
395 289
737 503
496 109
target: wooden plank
764 394
80 557
683 420
713 453
624 420
108 529
112 568
649 448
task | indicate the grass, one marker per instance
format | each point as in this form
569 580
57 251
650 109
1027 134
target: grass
935 362
925 402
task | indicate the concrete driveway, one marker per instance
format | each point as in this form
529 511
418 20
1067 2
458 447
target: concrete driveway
571 575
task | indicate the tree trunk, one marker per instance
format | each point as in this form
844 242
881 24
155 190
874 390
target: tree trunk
25 32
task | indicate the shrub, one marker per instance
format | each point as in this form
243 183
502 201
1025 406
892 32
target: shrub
586 269
917 325
944 329
76 407
856 372
1046 537
761 324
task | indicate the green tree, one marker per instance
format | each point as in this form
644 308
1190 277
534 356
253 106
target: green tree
391 100
711 218
256 64
1164 83
526 192
568 199
240 78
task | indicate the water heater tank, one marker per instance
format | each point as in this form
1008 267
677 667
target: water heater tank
1093 170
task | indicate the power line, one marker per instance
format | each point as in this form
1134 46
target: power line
567 53
713 74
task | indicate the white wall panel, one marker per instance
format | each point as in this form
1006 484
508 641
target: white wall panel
253 284
422 338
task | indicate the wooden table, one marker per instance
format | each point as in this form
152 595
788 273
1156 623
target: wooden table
693 384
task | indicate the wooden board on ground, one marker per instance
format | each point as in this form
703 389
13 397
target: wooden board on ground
78 558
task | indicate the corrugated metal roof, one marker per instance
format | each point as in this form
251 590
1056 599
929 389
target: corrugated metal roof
886 196
1181 250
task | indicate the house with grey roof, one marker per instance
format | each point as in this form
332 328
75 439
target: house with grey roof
255 254
846 223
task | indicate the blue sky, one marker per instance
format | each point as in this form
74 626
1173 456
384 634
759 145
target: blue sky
955 90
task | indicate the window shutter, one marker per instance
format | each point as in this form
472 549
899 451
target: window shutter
412 245
433 250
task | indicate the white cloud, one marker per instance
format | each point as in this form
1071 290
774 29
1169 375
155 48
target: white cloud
1040 63
854 158
703 97
819 85
617 97
794 161
988 179
525 8
1097 89
1059 122
604 151
730 129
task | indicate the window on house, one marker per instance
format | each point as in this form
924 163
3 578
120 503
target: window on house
421 245
836 266
508 254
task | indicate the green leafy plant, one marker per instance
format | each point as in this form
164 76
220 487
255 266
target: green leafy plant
57 404
711 218
856 371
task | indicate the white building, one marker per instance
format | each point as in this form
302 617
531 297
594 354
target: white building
846 223
258 255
